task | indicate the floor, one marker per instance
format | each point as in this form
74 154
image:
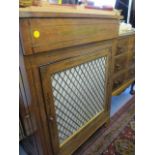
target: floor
117 103
21 151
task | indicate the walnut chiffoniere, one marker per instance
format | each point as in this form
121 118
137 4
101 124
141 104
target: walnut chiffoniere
66 74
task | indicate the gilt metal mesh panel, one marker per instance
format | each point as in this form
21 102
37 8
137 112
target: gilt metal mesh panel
79 95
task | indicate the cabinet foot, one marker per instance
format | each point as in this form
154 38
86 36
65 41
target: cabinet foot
132 91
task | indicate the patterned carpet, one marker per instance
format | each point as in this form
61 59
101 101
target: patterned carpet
117 139
124 144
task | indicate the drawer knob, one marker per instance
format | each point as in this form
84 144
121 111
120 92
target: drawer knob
120 49
51 118
27 116
117 83
118 66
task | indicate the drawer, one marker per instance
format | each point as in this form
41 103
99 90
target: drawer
120 63
118 81
132 43
130 73
122 46
132 49
45 34
132 40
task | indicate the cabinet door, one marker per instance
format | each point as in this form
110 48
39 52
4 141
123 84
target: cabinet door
76 98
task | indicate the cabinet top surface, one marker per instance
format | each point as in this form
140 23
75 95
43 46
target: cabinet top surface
127 33
66 11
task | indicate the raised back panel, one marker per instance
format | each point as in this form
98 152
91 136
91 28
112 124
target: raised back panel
57 33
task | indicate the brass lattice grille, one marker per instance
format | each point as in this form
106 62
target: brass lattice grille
78 95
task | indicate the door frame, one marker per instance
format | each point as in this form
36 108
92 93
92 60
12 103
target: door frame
80 136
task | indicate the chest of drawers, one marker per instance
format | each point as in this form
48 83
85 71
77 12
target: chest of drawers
124 63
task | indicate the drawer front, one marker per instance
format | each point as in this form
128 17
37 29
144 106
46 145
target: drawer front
130 73
131 59
132 43
118 81
122 45
44 34
120 63
132 40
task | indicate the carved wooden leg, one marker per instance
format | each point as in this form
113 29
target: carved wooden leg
132 91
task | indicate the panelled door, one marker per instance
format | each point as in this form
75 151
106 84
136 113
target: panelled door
76 98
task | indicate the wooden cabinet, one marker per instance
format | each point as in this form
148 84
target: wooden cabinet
75 92
66 62
70 64
124 62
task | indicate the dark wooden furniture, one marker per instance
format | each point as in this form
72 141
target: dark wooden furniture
66 70
124 63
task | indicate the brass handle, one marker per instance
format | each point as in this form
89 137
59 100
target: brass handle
120 49
118 66
117 83
27 116
51 118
